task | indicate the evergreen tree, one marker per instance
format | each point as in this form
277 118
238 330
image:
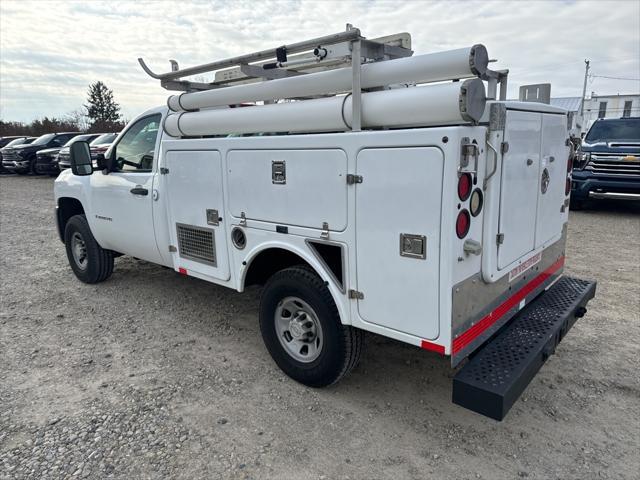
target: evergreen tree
102 110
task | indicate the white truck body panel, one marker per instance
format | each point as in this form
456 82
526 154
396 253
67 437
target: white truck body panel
402 293
314 192
409 185
519 186
189 198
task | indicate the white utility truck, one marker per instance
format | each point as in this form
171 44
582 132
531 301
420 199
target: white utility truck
366 189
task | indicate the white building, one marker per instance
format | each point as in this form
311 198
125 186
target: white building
600 106
610 106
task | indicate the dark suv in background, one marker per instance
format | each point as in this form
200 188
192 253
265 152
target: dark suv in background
12 142
608 163
47 159
22 158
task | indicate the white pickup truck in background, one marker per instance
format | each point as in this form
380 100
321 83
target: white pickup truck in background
425 208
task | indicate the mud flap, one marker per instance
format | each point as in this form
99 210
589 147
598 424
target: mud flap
494 378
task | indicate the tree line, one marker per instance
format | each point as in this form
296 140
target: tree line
101 113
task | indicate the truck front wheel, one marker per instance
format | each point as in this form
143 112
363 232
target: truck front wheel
301 328
88 260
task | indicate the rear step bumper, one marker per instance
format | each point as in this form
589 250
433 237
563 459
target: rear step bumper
493 379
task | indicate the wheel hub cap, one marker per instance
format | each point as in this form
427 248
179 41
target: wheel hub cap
298 329
79 250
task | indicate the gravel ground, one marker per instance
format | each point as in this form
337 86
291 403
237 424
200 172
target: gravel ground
154 375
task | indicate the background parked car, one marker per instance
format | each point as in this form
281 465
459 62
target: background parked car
97 146
608 164
22 158
47 159
12 141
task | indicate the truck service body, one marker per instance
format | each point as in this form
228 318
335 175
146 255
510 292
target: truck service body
441 236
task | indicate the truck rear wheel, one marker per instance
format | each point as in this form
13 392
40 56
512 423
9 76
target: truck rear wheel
301 328
88 260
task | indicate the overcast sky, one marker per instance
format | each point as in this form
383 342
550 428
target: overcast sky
51 51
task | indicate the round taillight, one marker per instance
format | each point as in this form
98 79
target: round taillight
567 187
570 164
475 204
463 222
464 186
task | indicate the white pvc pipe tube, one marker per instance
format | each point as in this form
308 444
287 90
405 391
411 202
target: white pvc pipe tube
444 104
433 67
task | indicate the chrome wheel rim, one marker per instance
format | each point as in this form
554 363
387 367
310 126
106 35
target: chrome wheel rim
298 329
79 250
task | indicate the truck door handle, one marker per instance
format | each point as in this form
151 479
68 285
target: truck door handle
138 190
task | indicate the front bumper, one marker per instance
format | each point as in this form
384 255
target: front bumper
49 167
587 185
15 165
495 377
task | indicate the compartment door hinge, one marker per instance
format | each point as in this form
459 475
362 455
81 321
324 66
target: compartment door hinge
356 295
500 238
353 179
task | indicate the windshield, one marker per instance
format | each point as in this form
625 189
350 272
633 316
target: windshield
79 138
608 130
44 139
104 138
17 141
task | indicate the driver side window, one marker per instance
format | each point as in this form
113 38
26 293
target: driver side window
134 152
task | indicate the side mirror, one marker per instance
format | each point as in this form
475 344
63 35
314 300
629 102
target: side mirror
81 159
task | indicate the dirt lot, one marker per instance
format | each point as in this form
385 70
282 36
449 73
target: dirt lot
154 375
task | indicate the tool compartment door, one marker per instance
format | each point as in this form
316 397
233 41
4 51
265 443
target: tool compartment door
519 186
194 192
401 193
305 188
553 175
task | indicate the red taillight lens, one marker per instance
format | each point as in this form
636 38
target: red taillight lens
463 222
570 164
464 186
567 187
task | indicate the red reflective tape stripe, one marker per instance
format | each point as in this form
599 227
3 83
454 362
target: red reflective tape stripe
492 317
432 347
182 271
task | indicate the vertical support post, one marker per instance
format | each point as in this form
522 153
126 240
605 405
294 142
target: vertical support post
356 87
492 89
503 85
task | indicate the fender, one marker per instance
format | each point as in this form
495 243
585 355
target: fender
302 251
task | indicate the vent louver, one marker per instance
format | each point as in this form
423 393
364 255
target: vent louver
197 244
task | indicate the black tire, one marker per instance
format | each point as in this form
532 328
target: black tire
98 265
577 204
341 344
32 167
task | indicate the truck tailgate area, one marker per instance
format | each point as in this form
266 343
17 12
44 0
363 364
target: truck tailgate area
494 378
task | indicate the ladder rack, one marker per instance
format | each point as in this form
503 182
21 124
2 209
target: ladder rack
317 54
343 49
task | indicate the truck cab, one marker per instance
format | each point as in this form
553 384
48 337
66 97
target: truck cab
608 162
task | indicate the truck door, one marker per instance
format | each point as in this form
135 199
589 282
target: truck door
398 205
553 175
195 202
519 186
121 202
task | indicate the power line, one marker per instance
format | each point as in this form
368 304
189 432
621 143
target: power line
615 78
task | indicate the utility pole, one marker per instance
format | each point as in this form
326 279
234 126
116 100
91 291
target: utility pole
584 88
